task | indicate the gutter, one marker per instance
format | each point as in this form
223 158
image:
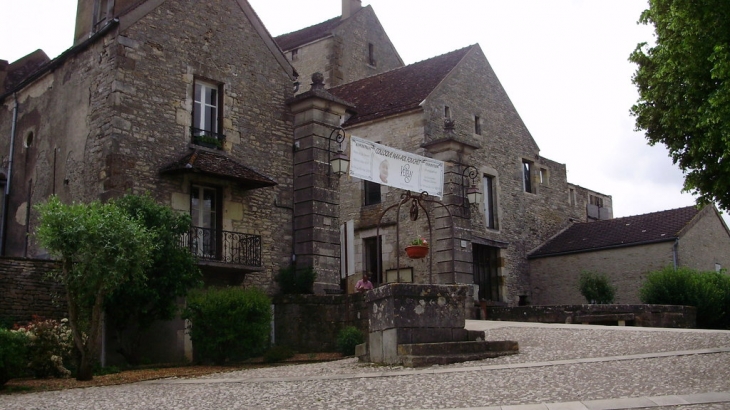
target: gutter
675 255
6 197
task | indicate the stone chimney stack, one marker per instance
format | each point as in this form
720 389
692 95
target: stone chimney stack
350 7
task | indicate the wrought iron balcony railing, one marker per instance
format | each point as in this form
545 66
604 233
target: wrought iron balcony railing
224 246
208 139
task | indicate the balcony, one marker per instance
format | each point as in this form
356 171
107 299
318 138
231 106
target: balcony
215 247
206 138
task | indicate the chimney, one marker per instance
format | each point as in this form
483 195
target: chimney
350 7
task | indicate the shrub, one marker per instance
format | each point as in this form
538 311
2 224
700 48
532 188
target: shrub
278 354
348 338
293 281
708 291
228 323
596 288
13 354
50 344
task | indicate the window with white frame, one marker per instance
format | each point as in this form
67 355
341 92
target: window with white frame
206 109
490 201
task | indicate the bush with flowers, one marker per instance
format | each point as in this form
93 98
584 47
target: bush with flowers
50 345
420 241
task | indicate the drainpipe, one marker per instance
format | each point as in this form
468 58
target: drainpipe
6 198
674 253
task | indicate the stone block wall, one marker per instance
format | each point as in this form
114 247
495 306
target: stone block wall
706 243
26 291
310 323
633 315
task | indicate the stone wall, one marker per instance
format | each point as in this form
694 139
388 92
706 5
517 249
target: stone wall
310 323
705 243
26 291
555 278
632 315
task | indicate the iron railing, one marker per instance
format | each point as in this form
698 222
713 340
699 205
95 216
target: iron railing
223 246
207 138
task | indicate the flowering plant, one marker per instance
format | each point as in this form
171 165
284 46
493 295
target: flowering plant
50 342
420 241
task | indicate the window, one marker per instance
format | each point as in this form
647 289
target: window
371 255
447 112
490 202
527 175
204 212
206 113
371 54
596 200
544 177
571 196
477 125
718 267
371 193
102 10
295 54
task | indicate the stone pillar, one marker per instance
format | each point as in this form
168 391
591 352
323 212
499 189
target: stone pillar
452 152
316 193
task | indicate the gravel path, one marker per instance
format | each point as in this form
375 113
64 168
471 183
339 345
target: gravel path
347 384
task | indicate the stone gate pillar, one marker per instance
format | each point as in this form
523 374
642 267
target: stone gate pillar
316 193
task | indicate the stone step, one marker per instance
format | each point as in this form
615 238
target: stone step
422 361
446 348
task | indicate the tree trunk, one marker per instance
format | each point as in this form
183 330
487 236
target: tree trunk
86 369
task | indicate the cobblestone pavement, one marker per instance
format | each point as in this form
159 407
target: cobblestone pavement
568 367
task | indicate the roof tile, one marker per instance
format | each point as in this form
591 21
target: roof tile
307 35
611 233
218 165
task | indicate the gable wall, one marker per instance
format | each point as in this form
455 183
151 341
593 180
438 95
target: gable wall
163 54
555 278
705 243
524 219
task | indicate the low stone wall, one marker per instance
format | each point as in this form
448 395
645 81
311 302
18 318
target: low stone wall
631 315
25 291
310 323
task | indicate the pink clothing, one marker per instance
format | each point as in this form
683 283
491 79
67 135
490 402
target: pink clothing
362 286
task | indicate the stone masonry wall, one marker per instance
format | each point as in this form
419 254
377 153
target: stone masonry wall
26 292
555 278
161 56
705 243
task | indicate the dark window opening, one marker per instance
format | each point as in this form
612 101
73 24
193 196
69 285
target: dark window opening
477 126
373 259
371 193
485 268
447 112
527 175
295 54
490 208
371 54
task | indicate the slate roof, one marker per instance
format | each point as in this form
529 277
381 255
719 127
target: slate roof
398 90
307 35
218 165
620 232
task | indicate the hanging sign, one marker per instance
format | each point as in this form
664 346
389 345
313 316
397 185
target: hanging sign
399 169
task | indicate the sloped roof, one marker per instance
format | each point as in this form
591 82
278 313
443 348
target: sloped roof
398 90
620 232
307 35
218 165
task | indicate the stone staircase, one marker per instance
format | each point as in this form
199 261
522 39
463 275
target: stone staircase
427 354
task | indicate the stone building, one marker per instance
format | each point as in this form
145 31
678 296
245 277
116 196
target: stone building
625 250
185 100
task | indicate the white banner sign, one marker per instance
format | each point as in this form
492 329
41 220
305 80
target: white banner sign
387 166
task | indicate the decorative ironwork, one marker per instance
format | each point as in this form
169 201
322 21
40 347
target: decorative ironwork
417 201
223 246
338 135
207 138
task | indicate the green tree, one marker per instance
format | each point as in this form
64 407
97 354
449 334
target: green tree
684 92
596 288
100 248
133 308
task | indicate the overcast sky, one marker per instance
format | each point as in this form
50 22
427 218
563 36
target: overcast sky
564 64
